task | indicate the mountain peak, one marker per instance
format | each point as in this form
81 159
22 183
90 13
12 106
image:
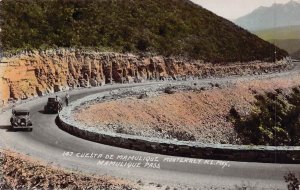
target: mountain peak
293 3
261 8
264 17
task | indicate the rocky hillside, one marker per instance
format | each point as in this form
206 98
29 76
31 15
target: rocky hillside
274 120
22 172
36 73
161 27
219 113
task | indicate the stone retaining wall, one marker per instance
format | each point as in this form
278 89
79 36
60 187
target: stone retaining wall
176 148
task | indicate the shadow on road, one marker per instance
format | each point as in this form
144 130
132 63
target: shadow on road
58 123
7 127
43 112
17 130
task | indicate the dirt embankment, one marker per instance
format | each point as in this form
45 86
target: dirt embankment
21 172
188 115
40 72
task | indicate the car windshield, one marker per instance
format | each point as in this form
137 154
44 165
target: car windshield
21 113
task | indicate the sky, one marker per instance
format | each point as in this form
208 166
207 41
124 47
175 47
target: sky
233 9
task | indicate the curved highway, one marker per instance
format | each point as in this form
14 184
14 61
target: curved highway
49 143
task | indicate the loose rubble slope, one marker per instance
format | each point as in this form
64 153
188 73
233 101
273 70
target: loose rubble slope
201 116
22 172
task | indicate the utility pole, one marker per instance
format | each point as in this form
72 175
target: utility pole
275 58
275 122
275 24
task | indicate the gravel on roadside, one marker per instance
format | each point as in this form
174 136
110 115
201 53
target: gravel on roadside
22 172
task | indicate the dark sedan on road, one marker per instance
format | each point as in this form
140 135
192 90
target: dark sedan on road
20 119
54 105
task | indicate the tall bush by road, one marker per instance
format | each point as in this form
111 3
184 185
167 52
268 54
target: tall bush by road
275 120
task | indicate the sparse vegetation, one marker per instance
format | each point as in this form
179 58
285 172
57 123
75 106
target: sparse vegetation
286 38
167 27
22 172
292 180
3 183
281 33
274 121
290 45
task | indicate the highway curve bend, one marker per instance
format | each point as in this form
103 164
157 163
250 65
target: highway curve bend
49 143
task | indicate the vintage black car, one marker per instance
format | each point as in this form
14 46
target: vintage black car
54 105
21 119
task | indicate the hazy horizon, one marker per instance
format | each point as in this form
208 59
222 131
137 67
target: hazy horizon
233 9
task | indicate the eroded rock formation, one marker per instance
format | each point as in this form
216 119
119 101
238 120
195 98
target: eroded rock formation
38 73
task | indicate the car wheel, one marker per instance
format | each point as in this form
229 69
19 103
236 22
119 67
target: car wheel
12 128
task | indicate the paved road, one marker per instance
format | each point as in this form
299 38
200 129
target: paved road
47 142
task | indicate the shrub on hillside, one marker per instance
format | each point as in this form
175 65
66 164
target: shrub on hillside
293 182
274 121
165 27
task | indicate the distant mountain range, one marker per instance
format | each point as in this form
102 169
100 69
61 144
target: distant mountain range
278 15
278 24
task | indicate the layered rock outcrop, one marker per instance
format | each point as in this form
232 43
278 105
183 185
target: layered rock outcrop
37 73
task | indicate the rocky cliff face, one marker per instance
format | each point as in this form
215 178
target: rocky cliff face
38 73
